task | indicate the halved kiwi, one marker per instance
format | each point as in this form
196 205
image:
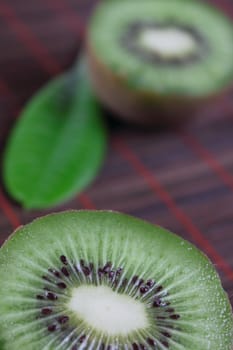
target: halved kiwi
104 280
154 62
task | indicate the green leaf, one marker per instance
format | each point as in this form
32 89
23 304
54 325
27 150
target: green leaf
58 144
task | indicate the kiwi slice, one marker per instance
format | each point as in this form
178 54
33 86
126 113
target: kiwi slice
159 61
105 280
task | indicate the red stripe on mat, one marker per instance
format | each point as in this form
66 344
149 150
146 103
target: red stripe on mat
74 21
86 201
6 91
212 162
30 41
4 88
4 203
8 211
180 215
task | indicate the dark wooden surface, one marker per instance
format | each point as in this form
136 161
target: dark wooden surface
182 179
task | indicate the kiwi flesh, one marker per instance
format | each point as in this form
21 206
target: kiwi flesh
105 280
154 62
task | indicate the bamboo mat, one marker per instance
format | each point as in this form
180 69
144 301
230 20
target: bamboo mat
180 179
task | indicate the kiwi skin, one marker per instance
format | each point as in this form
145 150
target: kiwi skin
142 107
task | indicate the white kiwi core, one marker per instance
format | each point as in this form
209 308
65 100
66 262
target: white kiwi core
107 311
168 42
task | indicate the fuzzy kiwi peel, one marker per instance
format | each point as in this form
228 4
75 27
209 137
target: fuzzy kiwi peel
159 62
105 280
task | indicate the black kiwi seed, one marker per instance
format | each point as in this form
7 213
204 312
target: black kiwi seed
150 283
111 275
55 273
140 282
119 271
100 272
63 319
64 259
170 310
144 289
151 342
165 343
134 279
82 338
86 270
124 282
65 271
52 328
107 267
174 317
157 303
46 311
166 334
82 263
51 296
62 285
159 289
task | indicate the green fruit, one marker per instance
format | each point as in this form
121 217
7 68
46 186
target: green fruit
155 61
104 280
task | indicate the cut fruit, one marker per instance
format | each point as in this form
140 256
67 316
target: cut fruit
159 61
104 281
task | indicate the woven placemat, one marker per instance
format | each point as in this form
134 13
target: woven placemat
182 179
